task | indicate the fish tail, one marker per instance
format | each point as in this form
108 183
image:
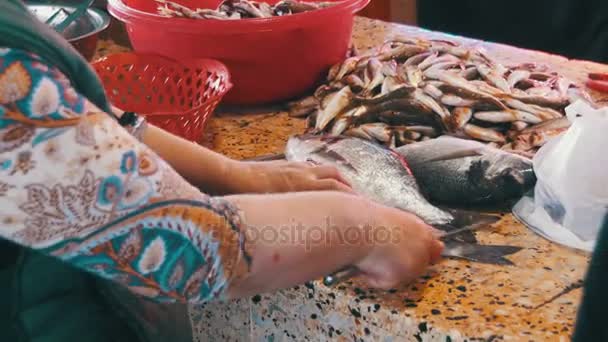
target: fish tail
486 254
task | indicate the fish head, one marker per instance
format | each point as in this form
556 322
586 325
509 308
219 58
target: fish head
301 146
508 174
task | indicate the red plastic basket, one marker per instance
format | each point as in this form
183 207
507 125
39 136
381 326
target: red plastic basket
176 96
270 59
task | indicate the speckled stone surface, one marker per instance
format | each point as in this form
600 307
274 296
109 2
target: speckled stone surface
456 301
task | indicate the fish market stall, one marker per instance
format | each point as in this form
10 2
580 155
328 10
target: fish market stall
535 298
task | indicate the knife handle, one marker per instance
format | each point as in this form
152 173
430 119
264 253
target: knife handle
340 276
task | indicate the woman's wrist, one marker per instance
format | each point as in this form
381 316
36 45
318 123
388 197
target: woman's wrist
218 179
244 178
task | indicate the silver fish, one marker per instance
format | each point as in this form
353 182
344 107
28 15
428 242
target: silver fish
539 134
483 134
402 52
429 102
428 61
516 76
249 9
378 131
507 116
345 120
463 86
373 75
389 69
371 169
346 67
332 106
541 76
428 131
457 171
469 73
443 66
519 125
454 51
358 132
562 85
303 107
494 77
266 9
389 84
442 60
354 82
456 101
546 101
460 117
414 75
433 91
539 91
542 112
417 59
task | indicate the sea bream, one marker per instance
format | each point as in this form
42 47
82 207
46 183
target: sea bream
372 170
384 176
458 171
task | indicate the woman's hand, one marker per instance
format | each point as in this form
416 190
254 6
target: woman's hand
297 237
218 175
403 246
285 176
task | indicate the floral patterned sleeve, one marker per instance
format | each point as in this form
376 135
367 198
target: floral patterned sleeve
75 185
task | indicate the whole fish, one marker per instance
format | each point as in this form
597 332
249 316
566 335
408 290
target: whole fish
384 176
333 105
371 169
458 171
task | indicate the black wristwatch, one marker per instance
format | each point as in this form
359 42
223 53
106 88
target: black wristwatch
134 123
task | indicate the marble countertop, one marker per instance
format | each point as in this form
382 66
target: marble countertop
456 301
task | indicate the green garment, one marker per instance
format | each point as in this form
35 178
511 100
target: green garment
41 298
591 320
45 300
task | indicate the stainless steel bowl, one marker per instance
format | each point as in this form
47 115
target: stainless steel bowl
83 33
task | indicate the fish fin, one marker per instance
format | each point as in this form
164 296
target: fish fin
486 254
331 154
475 152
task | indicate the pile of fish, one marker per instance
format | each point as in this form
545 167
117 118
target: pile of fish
400 179
240 9
411 90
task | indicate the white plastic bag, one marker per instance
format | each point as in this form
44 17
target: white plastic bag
570 199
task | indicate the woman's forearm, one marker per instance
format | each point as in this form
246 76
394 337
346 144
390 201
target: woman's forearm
298 237
198 165
216 174
208 170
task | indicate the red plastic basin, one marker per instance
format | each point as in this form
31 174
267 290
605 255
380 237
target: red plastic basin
269 59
